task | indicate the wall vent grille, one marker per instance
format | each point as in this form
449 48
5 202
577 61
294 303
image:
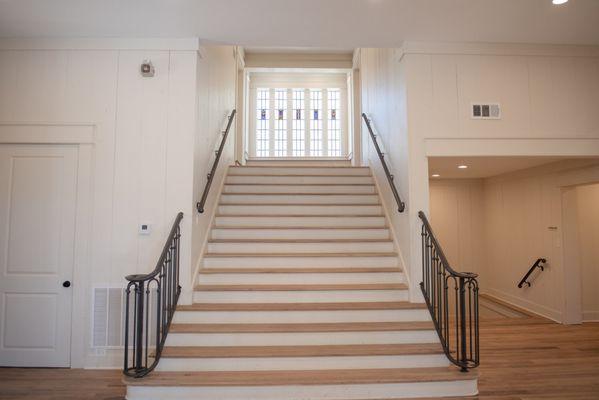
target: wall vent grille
108 317
485 111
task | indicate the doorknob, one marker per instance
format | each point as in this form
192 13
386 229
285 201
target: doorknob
66 284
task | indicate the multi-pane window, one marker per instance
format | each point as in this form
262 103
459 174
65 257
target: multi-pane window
334 124
299 122
280 122
262 122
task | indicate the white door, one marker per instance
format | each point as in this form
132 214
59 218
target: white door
37 233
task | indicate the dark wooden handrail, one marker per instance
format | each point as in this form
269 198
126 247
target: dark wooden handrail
219 152
401 206
540 263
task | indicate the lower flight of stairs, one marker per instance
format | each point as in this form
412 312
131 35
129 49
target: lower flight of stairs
300 296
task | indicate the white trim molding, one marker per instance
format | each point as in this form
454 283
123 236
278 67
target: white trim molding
66 133
181 44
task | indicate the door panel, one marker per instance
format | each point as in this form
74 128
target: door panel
37 220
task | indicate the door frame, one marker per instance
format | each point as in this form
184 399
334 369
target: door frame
82 137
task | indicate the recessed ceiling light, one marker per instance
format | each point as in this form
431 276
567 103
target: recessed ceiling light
462 166
558 2
435 175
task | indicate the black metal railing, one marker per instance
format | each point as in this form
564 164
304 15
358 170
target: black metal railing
540 263
452 299
219 152
401 206
150 304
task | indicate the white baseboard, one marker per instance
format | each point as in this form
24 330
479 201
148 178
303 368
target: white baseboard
590 316
526 305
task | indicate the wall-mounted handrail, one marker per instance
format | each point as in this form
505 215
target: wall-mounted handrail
155 297
452 300
400 204
540 263
219 152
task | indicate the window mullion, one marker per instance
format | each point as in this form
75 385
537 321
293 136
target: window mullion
289 122
271 122
307 123
325 123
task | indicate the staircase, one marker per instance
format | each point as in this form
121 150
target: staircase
300 296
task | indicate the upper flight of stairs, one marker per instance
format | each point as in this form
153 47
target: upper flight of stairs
300 296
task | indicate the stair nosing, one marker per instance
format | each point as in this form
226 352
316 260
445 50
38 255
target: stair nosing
300 241
303 378
339 306
301 270
265 255
311 351
300 287
326 327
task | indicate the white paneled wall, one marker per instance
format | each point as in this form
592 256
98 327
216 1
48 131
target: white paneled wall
149 135
421 93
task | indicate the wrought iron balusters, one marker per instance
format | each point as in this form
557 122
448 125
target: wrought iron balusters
150 303
452 299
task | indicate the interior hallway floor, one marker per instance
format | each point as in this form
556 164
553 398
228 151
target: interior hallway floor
521 359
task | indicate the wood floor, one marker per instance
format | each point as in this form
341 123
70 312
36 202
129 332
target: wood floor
522 359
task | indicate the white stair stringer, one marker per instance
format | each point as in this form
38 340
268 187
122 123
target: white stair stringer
300 296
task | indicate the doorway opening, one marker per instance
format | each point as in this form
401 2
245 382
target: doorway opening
496 216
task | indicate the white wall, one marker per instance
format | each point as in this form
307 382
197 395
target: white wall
383 98
149 135
216 77
419 95
456 214
588 226
497 227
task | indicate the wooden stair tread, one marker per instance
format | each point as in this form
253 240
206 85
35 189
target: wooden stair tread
247 228
302 204
303 327
303 175
303 287
299 270
313 377
298 194
304 254
300 241
381 305
298 184
301 351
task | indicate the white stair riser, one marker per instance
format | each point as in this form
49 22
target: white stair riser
299 189
323 247
308 392
301 278
299 210
300 338
314 234
290 262
301 363
298 198
260 317
330 296
301 222
295 180
299 171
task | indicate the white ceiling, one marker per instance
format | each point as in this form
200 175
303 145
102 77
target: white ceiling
483 167
327 24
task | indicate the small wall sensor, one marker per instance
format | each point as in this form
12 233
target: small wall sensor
145 229
147 69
